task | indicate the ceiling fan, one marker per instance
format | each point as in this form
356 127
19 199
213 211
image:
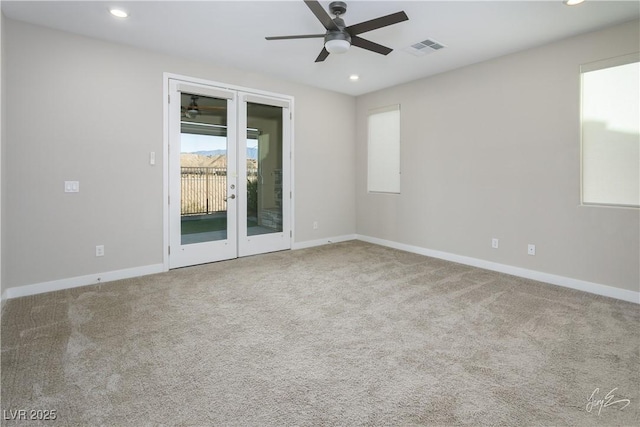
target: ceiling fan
339 37
195 108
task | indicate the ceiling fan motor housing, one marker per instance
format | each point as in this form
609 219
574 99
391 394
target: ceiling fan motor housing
338 7
340 34
337 35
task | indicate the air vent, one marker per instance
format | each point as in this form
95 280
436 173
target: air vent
424 47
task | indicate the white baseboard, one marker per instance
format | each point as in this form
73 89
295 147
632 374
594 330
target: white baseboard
93 279
567 282
74 282
325 241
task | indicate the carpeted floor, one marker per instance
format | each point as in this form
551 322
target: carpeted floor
344 334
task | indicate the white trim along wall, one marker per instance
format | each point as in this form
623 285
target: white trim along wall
75 282
492 151
567 282
53 234
165 137
500 181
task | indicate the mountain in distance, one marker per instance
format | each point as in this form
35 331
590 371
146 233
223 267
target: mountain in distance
209 153
252 153
218 161
200 161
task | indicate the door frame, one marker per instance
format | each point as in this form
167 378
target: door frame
165 153
270 242
211 250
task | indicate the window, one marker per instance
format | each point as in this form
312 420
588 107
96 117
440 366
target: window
611 132
384 150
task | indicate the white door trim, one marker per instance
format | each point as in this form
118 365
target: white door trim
165 152
270 242
215 249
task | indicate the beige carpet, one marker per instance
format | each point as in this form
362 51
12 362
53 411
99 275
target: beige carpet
346 334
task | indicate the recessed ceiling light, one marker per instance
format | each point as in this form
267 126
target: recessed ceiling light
573 2
119 13
354 77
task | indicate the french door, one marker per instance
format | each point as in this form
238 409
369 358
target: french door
229 173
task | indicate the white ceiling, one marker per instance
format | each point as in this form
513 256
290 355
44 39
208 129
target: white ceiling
232 33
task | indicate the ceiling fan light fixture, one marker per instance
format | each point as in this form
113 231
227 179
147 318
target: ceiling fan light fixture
337 46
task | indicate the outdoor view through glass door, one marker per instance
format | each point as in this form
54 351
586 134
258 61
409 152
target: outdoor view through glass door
203 169
229 170
264 179
266 145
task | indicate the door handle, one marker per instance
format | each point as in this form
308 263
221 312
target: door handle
233 196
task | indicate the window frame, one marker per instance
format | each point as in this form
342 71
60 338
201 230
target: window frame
376 164
586 68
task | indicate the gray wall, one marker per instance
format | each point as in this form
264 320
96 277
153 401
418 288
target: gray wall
493 150
2 132
87 110
490 150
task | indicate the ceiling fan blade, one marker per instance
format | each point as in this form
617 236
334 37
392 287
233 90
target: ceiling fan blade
374 24
302 36
369 45
321 14
323 55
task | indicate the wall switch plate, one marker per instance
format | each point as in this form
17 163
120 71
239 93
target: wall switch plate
100 250
531 249
315 225
152 158
72 186
494 243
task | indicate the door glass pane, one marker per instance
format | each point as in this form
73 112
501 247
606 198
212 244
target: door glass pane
264 169
203 168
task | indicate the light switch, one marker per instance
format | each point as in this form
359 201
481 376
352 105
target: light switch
72 186
152 158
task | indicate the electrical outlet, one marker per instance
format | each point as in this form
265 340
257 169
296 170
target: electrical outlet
531 249
72 186
100 250
315 225
494 243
